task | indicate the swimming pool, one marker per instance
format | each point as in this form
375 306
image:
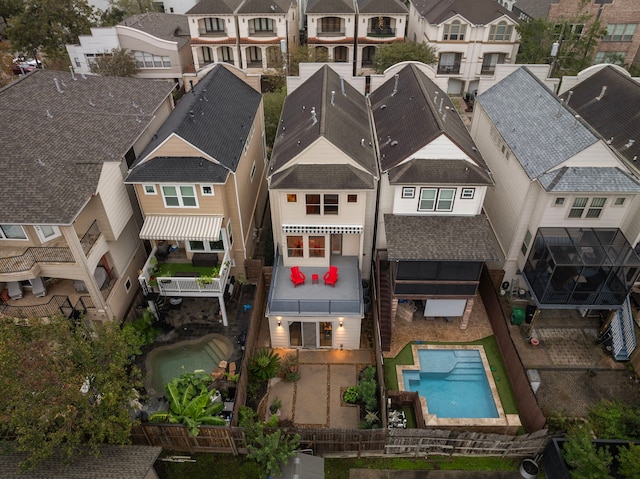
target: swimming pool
455 386
168 362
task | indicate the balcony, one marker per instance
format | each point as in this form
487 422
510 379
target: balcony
261 33
211 33
312 299
449 69
382 32
339 33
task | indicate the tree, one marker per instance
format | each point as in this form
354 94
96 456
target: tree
388 55
6 64
119 63
69 386
134 7
9 8
536 39
586 461
273 102
48 25
629 460
306 54
111 16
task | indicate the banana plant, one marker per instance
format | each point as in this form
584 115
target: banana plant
192 409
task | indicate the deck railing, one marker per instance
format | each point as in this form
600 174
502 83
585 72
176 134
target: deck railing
33 255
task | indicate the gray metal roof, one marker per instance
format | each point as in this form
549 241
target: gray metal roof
478 12
167 26
589 179
215 117
318 109
382 6
330 6
53 145
181 169
410 111
540 131
609 101
440 238
113 462
265 6
322 177
222 7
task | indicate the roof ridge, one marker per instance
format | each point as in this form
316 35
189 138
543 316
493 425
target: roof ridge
423 90
323 102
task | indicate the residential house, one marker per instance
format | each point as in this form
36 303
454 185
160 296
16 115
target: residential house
565 204
68 233
331 28
202 190
323 188
379 22
432 236
159 43
470 38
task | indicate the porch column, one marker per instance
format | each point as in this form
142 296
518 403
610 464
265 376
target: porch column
466 316
223 311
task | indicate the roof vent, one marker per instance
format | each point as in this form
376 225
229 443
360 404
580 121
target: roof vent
440 107
362 143
609 141
73 75
602 92
382 107
314 117
395 86
333 97
342 85
629 143
569 95
435 98
560 108
394 142
91 103
49 115
55 80
577 122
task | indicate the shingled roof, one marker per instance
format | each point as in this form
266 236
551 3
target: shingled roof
215 117
581 179
540 131
478 12
222 7
262 6
324 106
382 6
410 111
330 6
167 26
54 140
609 101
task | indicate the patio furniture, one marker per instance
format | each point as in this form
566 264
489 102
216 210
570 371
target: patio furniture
331 276
205 260
297 276
38 288
15 290
162 250
314 279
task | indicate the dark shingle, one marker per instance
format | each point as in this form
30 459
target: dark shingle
215 117
222 7
439 172
589 179
167 26
440 238
478 12
330 6
53 145
382 6
322 177
180 169
264 6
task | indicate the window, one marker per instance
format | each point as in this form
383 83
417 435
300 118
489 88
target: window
316 246
206 246
340 54
352 198
592 211
434 199
253 172
294 247
500 32
454 31
526 243
449 63
559 201
207 56
313 204
150 190
226 54
207 190
292 198
213 25
467 193
148 60
254 56
408 192
230 234
47 232
497 139
620 32
489 62
10 232
179 196
619 201
330 25
330 204
127 285
617 58
262 25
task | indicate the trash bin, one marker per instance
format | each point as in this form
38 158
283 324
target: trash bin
517 316
531 311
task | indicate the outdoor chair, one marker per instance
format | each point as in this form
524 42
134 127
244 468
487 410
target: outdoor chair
297 276
331 276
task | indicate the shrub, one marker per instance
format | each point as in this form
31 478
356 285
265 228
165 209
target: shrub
369 373
585 459
367 392
276 404
264 364
289 369
350 395
629 460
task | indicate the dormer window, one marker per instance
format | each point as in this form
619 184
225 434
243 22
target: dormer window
454 31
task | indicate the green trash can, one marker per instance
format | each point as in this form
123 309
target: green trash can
517 316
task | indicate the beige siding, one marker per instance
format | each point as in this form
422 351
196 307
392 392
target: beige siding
120 300
207 205
175 146
323 148
115 199
136 40
160 116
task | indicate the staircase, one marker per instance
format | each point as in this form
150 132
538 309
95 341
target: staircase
622 333
384 303
216 351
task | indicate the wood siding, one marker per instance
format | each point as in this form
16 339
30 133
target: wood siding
115 200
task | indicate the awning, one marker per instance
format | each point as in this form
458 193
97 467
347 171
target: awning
181 228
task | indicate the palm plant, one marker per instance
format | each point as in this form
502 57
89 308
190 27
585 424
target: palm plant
264 364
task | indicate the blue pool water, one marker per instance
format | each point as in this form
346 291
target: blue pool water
453 382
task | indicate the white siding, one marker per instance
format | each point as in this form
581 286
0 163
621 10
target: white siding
123 250
597 155
346 336
461 206
115 199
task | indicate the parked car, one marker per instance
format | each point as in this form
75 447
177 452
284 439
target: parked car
23 65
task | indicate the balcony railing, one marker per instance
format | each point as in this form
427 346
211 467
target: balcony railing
56 305
261 33
90 237
340 33
33 255
382 32
449 69
310 306
212 33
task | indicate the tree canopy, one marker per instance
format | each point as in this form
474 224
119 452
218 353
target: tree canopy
388 55
134 7
69 386
119 63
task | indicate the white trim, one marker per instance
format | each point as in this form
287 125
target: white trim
43 238
322 229
153 187
4 237
179 196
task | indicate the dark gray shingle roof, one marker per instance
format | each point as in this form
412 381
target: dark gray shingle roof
222 7
616 114
53 145
215 117
181 169
382 6
167 26
114 462
589 179
265 6
342 119
412 117
540 131
439 172
330 6
322 177
440 238
478 12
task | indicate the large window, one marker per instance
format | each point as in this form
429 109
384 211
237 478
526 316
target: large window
148 60
449 63
206 246
213 26
587 207
330 204
331 25
454 31
294 247
436 199
617 58
620 32
327 204
254 56
313 204
11 232
500 32
261 25
316 246
179 196
489 62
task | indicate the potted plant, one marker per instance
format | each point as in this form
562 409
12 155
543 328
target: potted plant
275 406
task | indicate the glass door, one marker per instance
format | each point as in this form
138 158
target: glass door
336 244
309 335
326 334
295 334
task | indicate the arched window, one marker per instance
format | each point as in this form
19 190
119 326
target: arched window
500 32
454 31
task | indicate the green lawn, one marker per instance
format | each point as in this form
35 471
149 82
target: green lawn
495 361
167 270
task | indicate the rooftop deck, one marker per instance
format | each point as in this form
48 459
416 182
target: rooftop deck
312 299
